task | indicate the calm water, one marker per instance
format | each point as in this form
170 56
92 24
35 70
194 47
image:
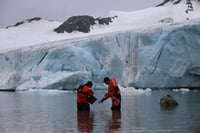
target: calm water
55 112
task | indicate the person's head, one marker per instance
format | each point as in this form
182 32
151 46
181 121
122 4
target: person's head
106 80
89 83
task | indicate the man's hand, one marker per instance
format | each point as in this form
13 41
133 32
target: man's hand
101 101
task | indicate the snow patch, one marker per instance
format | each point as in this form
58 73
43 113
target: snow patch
134 91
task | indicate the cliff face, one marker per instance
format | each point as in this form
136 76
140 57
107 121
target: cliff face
162 57
171 59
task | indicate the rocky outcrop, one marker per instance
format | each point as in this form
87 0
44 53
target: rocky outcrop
27 20
167 1
76 23
81 23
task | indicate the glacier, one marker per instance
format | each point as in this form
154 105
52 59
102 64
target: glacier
163 57
152 48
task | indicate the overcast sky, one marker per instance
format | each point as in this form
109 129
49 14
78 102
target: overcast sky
13 11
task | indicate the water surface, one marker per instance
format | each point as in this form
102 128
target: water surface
56 112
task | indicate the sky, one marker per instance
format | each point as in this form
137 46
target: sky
13 11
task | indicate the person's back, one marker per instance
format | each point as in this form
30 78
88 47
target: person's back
82 96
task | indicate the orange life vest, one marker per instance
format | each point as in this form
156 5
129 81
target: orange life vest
83 93
113 92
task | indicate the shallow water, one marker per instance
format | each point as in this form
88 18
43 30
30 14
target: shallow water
55 112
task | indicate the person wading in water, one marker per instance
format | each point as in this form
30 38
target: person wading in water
113 93
84 95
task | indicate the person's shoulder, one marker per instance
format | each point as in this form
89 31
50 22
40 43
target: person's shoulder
85 87
114 82
113 79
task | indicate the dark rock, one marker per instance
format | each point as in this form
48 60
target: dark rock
167 1
168 102
190 7
24 21
81 23
163 3
105 21
76 23
188 2
176 2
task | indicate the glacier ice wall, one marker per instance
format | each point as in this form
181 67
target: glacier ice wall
164 57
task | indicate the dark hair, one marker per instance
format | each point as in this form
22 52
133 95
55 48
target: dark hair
106 79
89 83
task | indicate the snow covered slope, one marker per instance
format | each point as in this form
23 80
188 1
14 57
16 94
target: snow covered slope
155 47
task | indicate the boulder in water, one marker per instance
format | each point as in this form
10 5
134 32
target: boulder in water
168 102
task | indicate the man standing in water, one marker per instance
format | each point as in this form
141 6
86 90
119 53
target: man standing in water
113 93
83 94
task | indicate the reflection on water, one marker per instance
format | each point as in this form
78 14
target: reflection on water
115 121
49 112
85 121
